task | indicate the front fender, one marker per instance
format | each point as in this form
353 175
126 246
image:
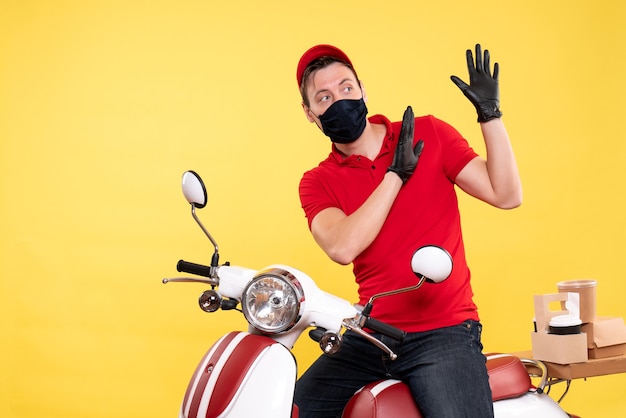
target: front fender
241 375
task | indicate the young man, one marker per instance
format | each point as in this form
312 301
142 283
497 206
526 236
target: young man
385 190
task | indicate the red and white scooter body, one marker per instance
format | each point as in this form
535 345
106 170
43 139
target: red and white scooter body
247 374
242 375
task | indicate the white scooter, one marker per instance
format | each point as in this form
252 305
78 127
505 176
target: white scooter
253 373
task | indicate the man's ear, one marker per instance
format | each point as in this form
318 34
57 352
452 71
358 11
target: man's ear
308 113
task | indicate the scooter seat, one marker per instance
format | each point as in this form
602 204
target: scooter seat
508 378
384 398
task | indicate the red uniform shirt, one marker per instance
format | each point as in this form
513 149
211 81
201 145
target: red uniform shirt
424 212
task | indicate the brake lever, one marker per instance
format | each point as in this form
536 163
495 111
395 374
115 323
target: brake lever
352 325
212 282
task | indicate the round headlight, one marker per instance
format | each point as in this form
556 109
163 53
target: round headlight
271 301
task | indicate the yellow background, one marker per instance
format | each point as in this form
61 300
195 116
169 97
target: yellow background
103 105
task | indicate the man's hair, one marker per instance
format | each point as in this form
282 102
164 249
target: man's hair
316 65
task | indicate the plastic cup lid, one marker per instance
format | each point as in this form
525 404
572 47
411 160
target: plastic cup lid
565 321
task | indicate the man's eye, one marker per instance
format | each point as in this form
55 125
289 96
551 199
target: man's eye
324 98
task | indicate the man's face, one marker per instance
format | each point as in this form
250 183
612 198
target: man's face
326 86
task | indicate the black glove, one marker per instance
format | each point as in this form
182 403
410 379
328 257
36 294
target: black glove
483 89
405 158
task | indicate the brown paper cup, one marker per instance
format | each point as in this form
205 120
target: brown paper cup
587 291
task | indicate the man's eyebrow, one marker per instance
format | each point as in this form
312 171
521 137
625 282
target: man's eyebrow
347 79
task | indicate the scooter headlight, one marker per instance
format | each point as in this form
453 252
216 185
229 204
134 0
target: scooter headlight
271 301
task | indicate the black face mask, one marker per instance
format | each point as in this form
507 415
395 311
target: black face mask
344 121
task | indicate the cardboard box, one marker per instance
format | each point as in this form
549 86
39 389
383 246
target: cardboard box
560 349
606 337
591 368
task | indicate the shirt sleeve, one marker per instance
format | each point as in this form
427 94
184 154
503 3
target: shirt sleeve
456 151
313 196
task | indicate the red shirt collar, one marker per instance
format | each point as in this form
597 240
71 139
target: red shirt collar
386 146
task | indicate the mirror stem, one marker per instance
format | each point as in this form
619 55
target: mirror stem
215 259
394 292
367 309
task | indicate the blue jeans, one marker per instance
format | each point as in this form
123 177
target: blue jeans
444 368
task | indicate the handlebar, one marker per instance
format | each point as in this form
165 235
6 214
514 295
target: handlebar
385 329
365 322
193 268
358 323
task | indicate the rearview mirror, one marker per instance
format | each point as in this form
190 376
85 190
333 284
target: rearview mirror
432 263
194 190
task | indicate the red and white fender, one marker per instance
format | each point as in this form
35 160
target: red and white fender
240 372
